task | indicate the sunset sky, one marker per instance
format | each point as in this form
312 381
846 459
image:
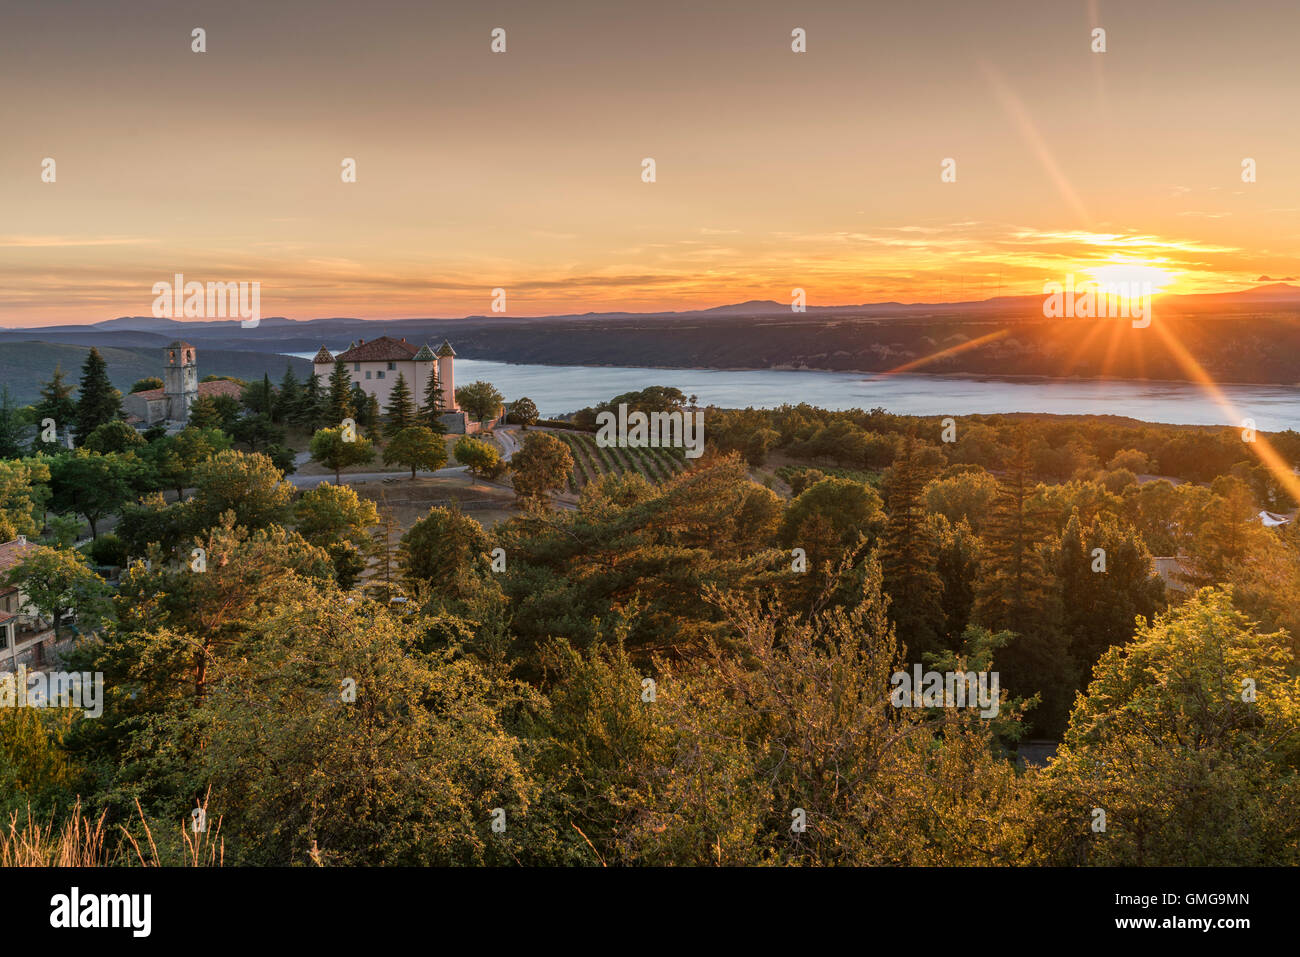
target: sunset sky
523 170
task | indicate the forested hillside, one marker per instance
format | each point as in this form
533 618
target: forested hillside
702 669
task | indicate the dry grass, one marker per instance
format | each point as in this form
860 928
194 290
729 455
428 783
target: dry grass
82 842
78 843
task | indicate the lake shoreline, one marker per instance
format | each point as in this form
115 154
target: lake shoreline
559 390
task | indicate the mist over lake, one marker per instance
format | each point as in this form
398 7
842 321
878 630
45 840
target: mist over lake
558 390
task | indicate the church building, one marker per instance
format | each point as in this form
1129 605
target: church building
181 386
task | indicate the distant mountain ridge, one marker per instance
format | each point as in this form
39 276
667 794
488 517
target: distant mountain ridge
1252 336
1270 292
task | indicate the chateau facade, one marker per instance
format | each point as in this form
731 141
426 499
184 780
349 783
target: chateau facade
375 366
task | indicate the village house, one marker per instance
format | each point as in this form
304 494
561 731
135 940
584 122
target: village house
375 366
25 638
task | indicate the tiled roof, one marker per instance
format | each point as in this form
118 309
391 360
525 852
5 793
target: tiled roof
214 388
179 344
425 354
385 348
445 349
323 356
11 553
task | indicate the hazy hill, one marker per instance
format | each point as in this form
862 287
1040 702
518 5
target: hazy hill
25 365
1248 336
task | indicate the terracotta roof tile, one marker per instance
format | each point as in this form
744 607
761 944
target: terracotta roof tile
383 349
11 553
214 388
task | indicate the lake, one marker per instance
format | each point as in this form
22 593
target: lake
561 389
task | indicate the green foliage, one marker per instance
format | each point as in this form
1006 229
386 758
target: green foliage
445 552
416 447
94 485
58 581
115 436
214 412
147 384
481 458
333 449
247 485
541 465
24 492
11 426
400 412
480 399
652 679
56 403
338 399
523 411
335 518
1191 768
909 555
98 402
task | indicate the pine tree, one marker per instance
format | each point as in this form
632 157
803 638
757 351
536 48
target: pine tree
1017 593
908 556
339 404
400 411
1106 584
365 407
433 406
98 402
289 399
56 403
1014 586
385 584
9 427
308 413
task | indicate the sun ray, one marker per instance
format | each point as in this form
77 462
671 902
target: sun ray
1261 448
943 353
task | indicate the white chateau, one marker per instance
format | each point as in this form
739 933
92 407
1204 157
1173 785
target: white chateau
181 386
375 365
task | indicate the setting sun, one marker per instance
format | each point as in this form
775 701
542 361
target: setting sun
1132 275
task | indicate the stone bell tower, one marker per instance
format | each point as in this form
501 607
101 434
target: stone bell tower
180 380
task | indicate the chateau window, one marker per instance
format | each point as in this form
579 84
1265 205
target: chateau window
367 373
391 367
379 374
356 367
